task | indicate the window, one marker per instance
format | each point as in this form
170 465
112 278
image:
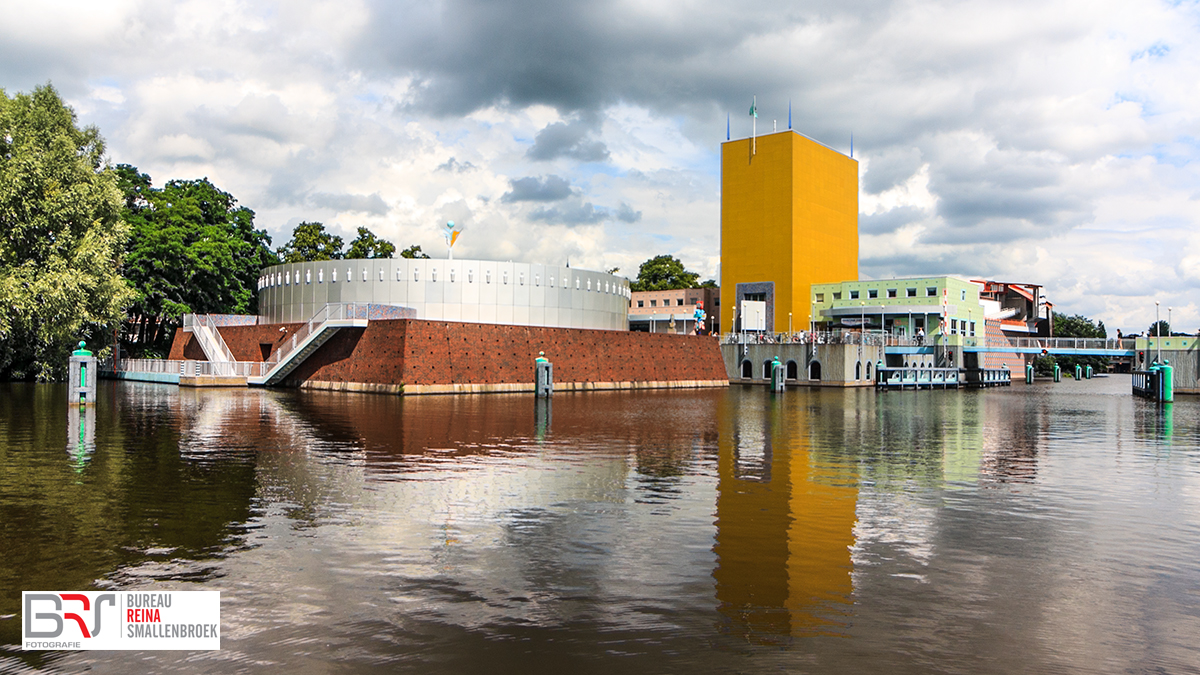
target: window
433 274
589 284
333 275
451 275
853 295
953 326
399 273
521 278
654 303
349 274
930 291
416 274
364 274
505 277
820 297
551 282
470 276
837 295
679 302
911 292
873 293
577 283
487 276
537 280
891 292
641 303
972 329
308 276
964 294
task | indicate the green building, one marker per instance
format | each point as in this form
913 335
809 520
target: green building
901 306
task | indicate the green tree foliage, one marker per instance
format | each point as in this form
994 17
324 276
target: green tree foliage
193 250
311 242
413 253
61 237
663 273
1160 327
1079 326
367 245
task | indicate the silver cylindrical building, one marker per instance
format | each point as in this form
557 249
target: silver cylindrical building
479 291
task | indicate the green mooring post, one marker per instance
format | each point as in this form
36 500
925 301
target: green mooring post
1029 374
543 376
1057 373
1078 372
1087 372
81 376
776 375
1167 388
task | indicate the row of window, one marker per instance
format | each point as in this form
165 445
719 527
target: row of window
930 292
958 327
287 279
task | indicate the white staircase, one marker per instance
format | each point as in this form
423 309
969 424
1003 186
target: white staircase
316 332
205 331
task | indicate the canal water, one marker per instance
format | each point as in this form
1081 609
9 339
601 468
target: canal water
1044 528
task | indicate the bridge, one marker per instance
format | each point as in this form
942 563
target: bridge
1126 347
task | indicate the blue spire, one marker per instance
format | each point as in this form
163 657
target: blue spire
789 113
851 145
726 126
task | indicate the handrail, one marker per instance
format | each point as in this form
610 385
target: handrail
334 311
205 329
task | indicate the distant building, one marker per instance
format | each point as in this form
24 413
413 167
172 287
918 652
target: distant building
653 311
789 219
989 311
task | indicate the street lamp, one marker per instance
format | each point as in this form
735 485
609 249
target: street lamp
862 318
789 325
1157 334
1169 331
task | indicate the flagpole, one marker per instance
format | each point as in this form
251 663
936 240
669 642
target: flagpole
754 127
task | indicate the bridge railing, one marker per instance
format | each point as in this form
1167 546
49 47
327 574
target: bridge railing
820 338
1074 344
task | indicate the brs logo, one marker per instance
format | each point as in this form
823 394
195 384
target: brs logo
58 617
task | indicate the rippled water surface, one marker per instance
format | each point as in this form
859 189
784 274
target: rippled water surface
1044 528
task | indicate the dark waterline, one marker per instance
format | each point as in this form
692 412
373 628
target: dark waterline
1052 528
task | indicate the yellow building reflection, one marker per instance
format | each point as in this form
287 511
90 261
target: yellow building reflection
785 524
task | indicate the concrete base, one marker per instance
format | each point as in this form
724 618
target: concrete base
502 388
211 381
161 378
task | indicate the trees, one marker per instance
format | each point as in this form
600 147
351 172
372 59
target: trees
1159 328
663 273
192 250
311 242
413 252
367 245
1079 326
61 237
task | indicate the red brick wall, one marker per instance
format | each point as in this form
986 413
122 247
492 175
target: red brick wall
418 352
243 341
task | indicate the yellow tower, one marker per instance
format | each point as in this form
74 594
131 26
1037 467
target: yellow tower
789 219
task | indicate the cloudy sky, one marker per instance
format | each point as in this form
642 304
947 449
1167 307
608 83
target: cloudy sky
1052 141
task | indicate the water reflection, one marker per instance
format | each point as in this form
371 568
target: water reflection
81 435
661 531
785 524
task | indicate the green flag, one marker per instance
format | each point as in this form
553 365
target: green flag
753 110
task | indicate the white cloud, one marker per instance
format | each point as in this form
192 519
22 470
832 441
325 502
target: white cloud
1045 141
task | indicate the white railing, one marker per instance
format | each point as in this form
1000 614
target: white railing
193 368
821 338
341 311
149 365
205 330
1074 343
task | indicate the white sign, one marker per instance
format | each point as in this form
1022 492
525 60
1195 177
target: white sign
143 620
754 315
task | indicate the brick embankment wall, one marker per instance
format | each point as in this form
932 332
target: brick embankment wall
427 357
448 357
